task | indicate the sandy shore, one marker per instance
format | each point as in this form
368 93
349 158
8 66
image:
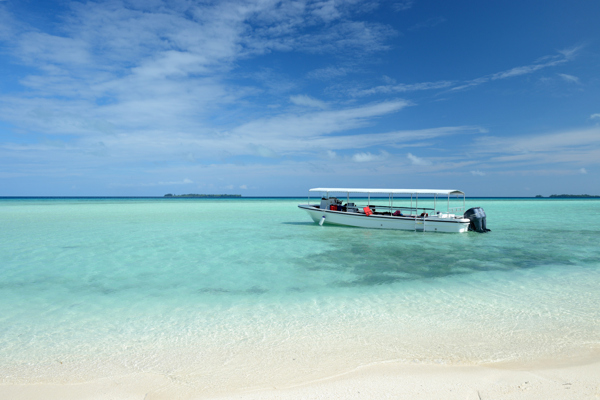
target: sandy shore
382 381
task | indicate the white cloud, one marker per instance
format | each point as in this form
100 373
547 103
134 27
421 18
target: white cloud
569 78
314 124
328 73
261 151
551 142
417 160
570 52
317 139
170 183
401 5
401 88
41 48
583 171
478 173
326 10
429 23
307 101
595 116
134 83
142 66
548 61
368 157
574 146
124 150
281 29
186 181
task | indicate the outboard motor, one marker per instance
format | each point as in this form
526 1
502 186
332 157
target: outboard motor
477 217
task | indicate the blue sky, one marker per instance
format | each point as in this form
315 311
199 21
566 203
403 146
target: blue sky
147 97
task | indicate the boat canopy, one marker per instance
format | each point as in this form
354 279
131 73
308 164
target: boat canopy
390 191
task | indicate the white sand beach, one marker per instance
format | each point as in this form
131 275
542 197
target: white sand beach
381 381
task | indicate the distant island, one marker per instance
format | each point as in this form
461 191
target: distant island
569 196
212 196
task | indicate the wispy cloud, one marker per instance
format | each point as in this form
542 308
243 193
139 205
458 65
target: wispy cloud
307 101
574 146
194 89
328 73
314 124
124 150
569 78
172 183
401 88
368 157
548 142
429 23
548 61
125 85
401 5
143 66
417 160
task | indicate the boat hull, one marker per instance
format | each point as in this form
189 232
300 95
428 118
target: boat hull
421 224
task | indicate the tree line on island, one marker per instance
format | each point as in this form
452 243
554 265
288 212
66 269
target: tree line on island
203 195
568 196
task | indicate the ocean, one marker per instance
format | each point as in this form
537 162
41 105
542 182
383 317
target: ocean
241 293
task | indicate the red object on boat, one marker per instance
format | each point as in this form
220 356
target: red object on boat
368 211
333 207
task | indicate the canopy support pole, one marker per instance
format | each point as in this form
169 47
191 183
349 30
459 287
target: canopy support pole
417 203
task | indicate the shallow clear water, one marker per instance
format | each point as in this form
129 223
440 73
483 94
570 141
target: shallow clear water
248 292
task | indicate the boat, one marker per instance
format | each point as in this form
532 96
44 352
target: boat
411 217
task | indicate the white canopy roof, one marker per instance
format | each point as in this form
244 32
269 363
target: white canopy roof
389 191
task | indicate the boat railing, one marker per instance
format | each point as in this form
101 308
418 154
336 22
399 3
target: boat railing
454 210
416 210
394 208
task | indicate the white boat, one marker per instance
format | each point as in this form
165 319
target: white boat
410 217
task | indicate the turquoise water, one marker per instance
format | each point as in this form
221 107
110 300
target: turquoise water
247 292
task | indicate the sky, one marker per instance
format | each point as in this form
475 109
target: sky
271 98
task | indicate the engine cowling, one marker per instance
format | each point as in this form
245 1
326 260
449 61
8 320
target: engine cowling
478 219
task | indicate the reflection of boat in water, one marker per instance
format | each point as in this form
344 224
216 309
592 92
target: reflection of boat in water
332 210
